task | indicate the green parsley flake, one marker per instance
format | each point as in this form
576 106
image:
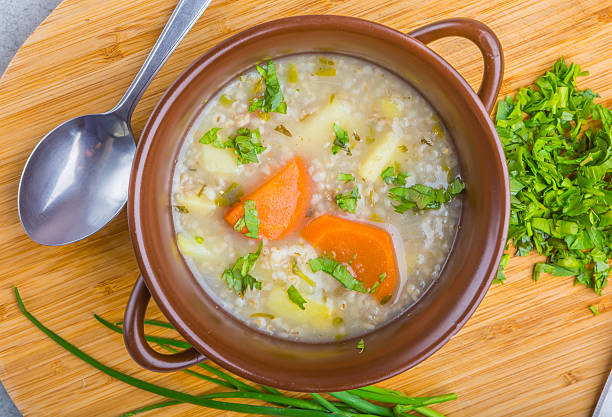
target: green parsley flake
338 271
295 269
272 100
225 100
199 239
239 225
501 275
559 176
211 137
201 190
292 75
246 144
381 278
390 177
348 202
238 278
282 129
181 209
437 130
250 220
326 72
341 140
423 197
594 310
263 315
231 195
361 346
385 299
345 177
296 298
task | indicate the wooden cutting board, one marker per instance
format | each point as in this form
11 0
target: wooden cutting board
531 349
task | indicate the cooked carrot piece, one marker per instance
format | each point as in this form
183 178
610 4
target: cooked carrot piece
281 201
368 248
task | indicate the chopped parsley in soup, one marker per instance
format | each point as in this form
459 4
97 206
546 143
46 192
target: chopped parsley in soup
315 196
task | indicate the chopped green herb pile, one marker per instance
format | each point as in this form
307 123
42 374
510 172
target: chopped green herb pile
272 100
348 202
341 140
338 271
559 176
354 403
238 278
296 298
250 220
424 197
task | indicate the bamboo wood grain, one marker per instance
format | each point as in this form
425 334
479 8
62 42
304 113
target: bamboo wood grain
531 349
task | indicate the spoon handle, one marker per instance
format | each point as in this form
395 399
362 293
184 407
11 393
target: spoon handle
186 13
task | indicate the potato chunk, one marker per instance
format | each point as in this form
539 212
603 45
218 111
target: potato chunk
190 248
221 161
200 206
379 157
315 314
318 128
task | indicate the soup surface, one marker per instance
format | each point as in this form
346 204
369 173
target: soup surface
342 176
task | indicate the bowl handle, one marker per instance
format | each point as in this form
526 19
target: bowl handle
136 344
486 41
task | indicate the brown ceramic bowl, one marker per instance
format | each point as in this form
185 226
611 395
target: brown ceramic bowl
390 349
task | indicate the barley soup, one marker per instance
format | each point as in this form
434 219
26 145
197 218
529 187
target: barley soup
314 196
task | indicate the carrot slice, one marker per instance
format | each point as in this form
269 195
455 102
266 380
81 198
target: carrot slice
370 248
281 201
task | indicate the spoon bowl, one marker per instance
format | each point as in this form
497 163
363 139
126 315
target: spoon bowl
76 179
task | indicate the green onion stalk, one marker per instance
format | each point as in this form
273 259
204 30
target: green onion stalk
353 403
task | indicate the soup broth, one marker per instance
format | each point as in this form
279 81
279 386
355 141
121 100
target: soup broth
349 174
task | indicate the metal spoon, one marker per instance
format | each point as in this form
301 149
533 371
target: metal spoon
76 179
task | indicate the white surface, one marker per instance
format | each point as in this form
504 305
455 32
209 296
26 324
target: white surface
18 18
